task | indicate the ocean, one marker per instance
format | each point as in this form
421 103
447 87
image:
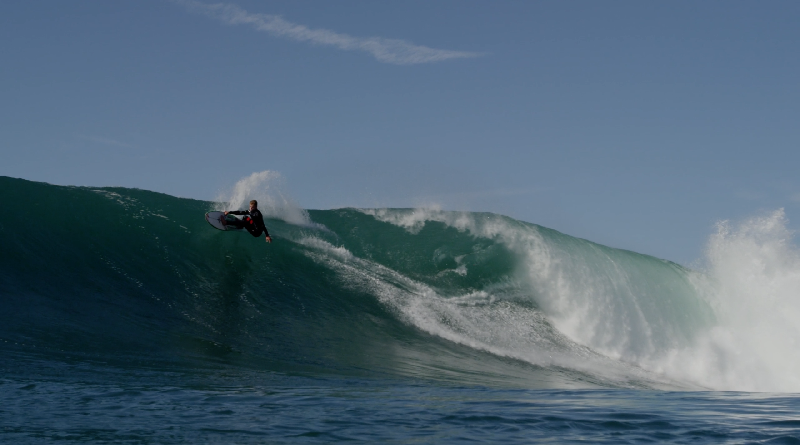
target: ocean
126 318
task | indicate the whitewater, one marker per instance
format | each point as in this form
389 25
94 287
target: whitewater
125 307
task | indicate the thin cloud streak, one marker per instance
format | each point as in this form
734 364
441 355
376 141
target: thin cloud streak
394 51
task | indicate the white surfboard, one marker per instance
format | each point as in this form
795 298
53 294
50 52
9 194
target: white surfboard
215 219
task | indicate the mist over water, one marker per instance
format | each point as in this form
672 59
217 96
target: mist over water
270 190
752 281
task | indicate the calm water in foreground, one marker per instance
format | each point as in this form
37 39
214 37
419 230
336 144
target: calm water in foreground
156 407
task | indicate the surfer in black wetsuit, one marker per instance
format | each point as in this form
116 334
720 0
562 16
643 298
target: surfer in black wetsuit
253 221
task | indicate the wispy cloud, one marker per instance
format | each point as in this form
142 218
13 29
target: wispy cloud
394 51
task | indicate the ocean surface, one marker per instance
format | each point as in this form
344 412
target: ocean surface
126 318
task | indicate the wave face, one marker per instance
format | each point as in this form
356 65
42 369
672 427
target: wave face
136 278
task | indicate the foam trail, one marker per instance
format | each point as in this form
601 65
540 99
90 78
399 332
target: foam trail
269 189
608 299
732 326
626 306
484 320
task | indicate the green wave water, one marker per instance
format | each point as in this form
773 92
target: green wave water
137 279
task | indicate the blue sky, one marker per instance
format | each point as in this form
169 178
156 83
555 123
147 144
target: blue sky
633 124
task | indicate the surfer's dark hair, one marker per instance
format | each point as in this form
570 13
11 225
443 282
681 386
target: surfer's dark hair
254 203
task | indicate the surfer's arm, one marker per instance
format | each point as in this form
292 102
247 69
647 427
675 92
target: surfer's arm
264 228
260 223
237 212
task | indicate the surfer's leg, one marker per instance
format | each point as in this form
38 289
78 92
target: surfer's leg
253 231
235 222
251 227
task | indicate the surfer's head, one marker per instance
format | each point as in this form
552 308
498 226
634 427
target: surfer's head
253 204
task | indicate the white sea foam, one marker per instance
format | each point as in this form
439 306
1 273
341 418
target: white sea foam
477 319
321 245
753 284
413 220
732 326
269 189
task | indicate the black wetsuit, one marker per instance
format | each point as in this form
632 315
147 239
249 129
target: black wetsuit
253 222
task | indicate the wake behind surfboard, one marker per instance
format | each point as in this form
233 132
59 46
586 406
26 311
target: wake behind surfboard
215 219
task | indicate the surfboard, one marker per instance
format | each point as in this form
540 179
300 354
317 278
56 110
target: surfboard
214 218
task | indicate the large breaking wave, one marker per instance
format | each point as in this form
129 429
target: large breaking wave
136 278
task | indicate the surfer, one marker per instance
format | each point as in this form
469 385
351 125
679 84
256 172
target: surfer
253 221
